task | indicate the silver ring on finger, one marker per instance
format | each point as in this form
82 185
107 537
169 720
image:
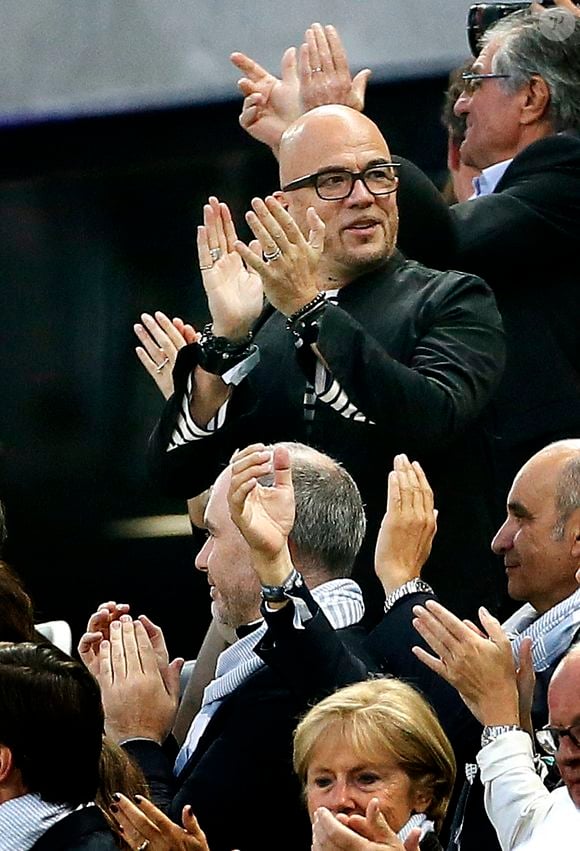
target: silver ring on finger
205 268
162 365
273 256
144 845
317 70
215 254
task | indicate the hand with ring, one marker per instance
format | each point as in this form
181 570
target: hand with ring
289 266
146 828
324 73
161 338
234 291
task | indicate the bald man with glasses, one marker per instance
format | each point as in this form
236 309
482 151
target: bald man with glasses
358 352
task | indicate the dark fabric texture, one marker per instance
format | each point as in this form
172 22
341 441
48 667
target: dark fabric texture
420 353
83 830
243 762
522 239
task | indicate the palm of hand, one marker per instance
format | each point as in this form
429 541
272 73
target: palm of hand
233 290
267 519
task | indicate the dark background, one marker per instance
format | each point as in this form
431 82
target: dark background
97 225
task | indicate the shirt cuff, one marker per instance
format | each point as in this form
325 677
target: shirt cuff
413 586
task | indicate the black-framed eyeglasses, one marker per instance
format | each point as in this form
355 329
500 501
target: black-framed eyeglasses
379 179
472 82
549 738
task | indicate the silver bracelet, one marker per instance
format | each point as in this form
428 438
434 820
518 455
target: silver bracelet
413 586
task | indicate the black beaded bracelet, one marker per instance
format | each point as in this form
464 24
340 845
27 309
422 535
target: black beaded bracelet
218 354
319 298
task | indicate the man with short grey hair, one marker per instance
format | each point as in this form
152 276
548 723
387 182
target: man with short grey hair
238 747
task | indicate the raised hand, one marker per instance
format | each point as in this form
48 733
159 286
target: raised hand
234 292
370 832
324 73
270 104
289 265
137 700
481 668
408 527
161 338
144 825
264 515
98 629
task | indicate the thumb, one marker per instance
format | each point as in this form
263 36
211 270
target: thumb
256 248
359 87
171 677
316 232
492 626
289 72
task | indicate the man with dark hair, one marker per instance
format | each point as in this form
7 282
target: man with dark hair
238 749
51 729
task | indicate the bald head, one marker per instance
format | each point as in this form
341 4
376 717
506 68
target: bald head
361 228
323 126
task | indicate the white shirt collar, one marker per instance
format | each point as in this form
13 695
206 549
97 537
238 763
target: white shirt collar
485 183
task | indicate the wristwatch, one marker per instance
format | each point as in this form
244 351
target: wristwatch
492 731
280 593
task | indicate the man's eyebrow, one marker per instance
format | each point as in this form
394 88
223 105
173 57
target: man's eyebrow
376 161
519 509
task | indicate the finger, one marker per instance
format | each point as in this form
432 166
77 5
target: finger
493 628
151 348
147 821
313 56
448 621
252 259
256 461
359 87
474 628
412 841
428 499
191 824
256 248
435 634
248 66
154 632
289 62
267 225
282 467
89 644
317 230
216 207
172 678
337 51
430 661
165 345
229 229
149 364
322 47
190 334
138 649
106 672
249 115
171 330
393 493
203 245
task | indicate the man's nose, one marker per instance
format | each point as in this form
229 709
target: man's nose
201 557
462 103
504 539
360 194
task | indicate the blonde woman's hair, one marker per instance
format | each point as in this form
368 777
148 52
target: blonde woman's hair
385 718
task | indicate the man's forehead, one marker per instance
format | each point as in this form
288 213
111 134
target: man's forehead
330 140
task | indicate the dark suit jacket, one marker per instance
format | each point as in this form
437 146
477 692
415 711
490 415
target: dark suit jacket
523 240
83 830
419 353
240 779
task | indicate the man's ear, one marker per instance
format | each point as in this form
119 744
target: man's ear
537 101
281 197
573 532
6 763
